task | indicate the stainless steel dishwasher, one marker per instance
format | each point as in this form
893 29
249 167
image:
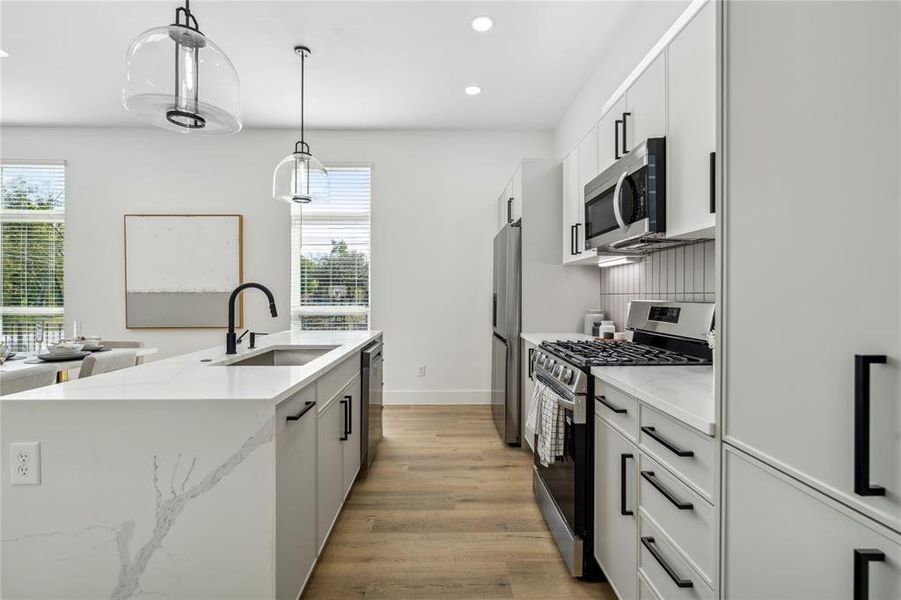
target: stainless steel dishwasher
371 426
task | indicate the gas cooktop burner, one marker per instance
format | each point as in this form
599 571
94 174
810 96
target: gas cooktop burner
619 353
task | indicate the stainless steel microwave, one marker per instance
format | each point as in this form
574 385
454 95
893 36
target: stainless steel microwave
625 206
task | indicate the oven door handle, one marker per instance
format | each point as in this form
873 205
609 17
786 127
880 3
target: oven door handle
617 209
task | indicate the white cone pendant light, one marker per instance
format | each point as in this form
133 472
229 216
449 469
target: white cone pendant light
178 79
300 178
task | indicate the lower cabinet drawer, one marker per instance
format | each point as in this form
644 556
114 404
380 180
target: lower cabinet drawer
684 450
664 567
616 407
687 518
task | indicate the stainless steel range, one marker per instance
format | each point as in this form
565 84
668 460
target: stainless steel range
664 334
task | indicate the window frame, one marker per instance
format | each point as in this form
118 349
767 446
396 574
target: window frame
55 215
299 310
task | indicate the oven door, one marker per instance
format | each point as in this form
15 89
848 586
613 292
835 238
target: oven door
561 487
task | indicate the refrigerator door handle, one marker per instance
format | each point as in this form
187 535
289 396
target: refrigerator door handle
494 310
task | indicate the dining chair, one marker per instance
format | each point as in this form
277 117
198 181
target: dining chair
125 344
20 380
98 363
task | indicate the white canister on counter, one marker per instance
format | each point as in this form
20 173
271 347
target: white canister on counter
592 318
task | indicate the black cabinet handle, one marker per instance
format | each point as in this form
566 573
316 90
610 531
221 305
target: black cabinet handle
616 126
509 210
531 362
862 485
862 559
350 414
712 182
343 437
652 479
652 431
622 485
494 310
625 149
306 408
576 228
648 542
603 400
572 240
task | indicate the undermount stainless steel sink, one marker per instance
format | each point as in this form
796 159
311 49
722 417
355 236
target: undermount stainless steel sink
282 357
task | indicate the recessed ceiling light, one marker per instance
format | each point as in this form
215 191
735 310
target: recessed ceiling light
482 23
472 90
3 54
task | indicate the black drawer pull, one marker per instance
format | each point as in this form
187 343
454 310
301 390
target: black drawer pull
862 485
652 431
622 485
350 414
652 479
306 408
603 400
343 437
862 559
648 542
625 139
576 227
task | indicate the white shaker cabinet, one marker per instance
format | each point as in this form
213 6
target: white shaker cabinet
812 222
609 135
576 166
616 509
645 114
784 540
527 388
350 444
331 428
295 495
691 128
516 193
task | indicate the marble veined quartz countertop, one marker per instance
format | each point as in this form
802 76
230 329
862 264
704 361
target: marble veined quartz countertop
204 375
685 393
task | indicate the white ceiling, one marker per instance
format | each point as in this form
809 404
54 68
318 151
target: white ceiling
374 64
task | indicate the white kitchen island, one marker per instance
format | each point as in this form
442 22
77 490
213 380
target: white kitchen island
184 478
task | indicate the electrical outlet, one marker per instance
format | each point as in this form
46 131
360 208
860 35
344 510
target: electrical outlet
25 463
420 371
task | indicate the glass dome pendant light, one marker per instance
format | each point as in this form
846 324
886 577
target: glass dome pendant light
178 79
300 178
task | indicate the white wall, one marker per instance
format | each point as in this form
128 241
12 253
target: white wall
433 219
635 40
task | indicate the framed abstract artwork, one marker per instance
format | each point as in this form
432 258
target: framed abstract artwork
181 269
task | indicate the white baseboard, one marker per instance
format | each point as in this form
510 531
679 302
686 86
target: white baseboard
414 397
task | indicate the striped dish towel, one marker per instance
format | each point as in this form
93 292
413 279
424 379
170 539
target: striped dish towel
550 429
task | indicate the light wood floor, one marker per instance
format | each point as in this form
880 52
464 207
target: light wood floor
446 512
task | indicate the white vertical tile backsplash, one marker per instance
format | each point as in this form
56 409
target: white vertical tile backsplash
685 274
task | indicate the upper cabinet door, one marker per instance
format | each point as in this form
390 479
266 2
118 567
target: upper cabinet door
570 195
610 135
588 158
812 140
691 131
646 105
516 193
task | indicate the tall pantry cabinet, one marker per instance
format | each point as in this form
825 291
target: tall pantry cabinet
811 337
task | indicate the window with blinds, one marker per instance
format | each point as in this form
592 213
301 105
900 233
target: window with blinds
330 254
32 235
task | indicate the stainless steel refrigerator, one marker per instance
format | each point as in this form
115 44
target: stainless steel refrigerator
505 319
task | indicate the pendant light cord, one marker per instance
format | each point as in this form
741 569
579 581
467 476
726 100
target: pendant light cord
303 60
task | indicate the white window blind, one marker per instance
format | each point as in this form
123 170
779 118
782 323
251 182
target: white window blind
32 235
330 251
